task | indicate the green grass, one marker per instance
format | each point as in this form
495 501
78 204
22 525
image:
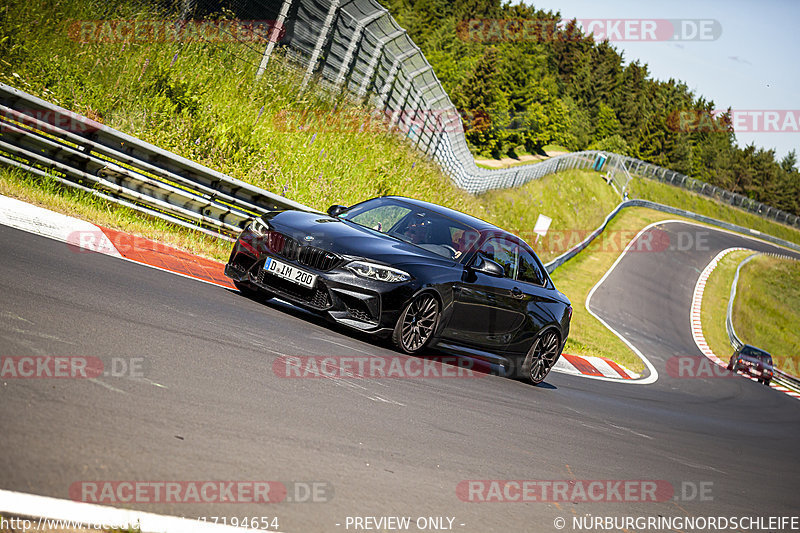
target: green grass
766 312
715 304
577 201
202 101
554 148
675 196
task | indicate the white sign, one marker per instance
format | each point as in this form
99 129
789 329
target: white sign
542 225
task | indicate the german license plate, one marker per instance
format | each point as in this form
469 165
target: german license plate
290 273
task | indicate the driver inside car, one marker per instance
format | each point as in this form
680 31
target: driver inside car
417 232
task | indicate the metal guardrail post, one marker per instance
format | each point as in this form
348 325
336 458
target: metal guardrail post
732 337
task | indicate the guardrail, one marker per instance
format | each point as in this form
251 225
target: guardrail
572 252
780 376
107 163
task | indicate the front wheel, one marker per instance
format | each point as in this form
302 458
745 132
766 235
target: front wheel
541 357
417 323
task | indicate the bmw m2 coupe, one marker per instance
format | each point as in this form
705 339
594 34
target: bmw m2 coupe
422 274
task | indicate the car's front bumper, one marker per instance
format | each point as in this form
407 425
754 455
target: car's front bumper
360 303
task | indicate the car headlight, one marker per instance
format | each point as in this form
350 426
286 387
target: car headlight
259 227
378 272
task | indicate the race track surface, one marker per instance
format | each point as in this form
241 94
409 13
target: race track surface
208 405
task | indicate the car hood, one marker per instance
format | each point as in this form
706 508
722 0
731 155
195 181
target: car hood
347 238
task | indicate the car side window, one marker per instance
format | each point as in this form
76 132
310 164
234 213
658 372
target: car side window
503 252
529 269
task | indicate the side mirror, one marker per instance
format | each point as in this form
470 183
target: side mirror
487 266
336 210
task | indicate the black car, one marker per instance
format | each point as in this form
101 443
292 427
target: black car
753 361
423 274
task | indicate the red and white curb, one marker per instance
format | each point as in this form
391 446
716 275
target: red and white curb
593 366
697 326
87 237
54 514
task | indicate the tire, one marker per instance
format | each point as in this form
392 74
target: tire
766 382
417 323
542 356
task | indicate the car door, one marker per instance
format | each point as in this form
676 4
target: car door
487 310
538 301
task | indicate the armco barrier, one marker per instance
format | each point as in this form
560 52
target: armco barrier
124 169
566 256
780 376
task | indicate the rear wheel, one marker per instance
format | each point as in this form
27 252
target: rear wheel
541 357
417 323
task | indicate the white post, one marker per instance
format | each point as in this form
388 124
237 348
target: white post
273 37
373 61
323 36
348 56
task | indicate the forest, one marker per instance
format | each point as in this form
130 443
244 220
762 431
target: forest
523 80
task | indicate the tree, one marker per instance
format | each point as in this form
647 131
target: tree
789 162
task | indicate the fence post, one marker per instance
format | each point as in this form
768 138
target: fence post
351 48
389 83
273 37
323 36
373 61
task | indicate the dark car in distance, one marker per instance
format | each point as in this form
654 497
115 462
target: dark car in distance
752 361
422 274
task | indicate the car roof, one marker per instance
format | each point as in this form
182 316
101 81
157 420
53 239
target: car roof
469 220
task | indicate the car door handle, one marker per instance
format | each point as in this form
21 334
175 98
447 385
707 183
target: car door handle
516 293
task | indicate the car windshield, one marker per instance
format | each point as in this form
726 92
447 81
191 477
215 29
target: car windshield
416 225
764 357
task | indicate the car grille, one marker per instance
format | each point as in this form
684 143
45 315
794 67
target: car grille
317 297
360 315
309 256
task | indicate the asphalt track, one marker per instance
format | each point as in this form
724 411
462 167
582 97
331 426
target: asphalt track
210 407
